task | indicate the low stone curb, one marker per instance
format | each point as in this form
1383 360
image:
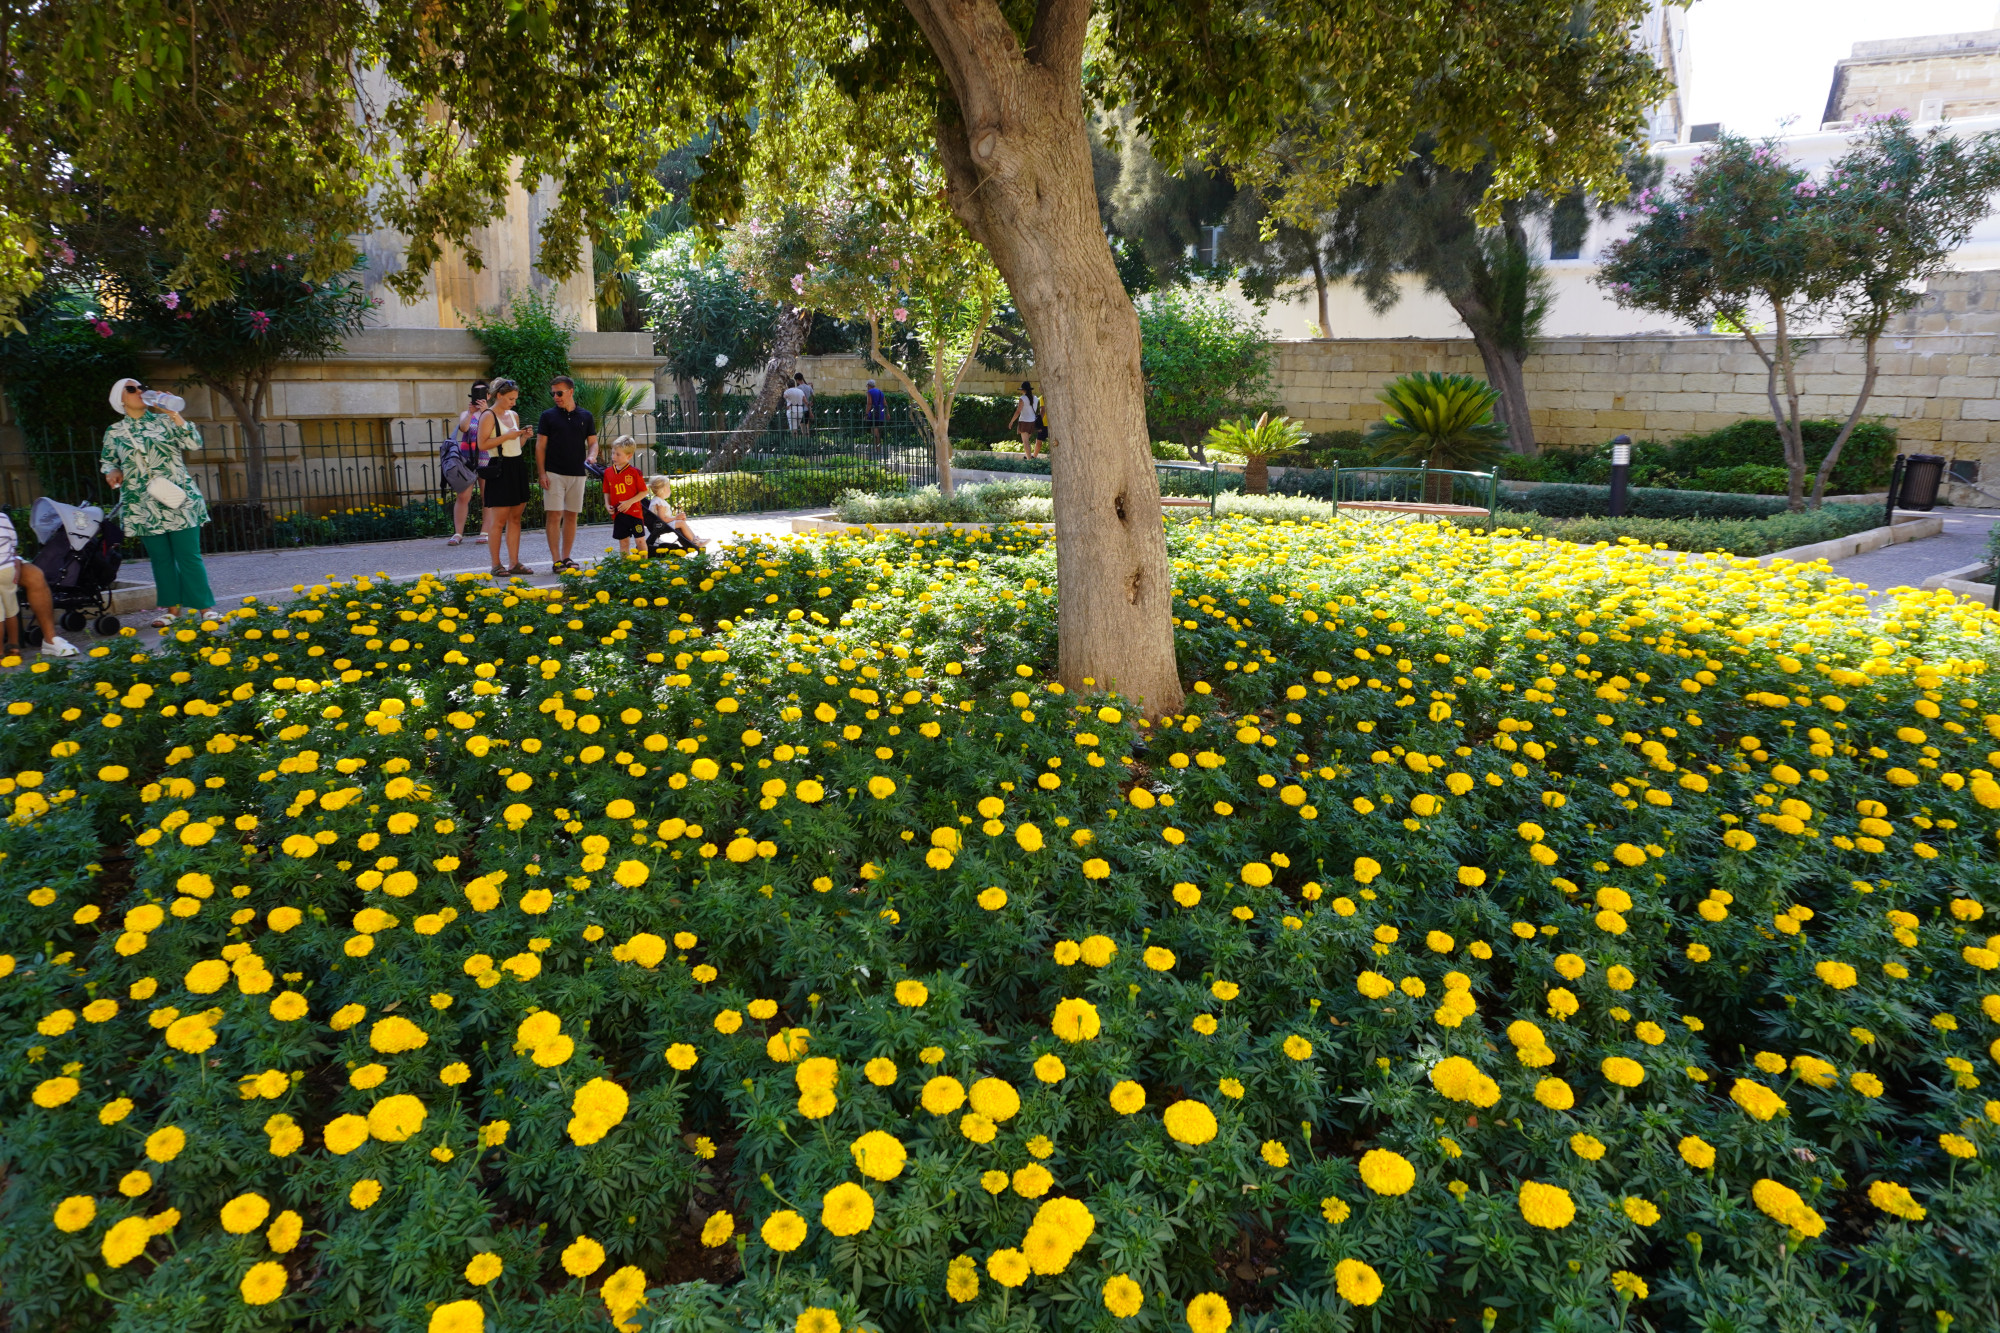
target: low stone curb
1860 543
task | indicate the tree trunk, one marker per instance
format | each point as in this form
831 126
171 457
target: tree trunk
1777 365
690 404
1868 361
1017 159
1257 475
1319 289
1503 371
245 401
777 373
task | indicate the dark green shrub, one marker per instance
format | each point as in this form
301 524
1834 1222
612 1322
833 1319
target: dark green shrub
1744 479
1864 460
1571 501
1737 536
528 340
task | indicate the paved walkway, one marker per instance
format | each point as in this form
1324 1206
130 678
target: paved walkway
1908 565
275 573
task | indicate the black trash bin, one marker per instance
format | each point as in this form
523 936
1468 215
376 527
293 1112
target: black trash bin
1922 474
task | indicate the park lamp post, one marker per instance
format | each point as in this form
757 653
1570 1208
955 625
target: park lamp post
1621 467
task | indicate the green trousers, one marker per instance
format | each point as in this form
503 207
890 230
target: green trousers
178 575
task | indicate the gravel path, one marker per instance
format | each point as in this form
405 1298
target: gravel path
1908 565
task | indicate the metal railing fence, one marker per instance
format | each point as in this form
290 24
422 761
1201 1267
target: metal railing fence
327 483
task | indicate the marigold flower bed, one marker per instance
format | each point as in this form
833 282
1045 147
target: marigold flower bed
1510 933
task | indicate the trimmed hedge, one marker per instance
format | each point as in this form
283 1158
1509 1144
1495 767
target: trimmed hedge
1736 536
1568 501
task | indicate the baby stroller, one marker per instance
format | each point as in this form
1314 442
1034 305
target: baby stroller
80 557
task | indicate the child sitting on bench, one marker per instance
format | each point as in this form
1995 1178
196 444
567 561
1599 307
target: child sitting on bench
664 523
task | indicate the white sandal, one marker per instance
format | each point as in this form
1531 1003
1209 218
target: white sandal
165 619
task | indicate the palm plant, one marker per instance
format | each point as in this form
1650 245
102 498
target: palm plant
1258 441
607 398
1439 421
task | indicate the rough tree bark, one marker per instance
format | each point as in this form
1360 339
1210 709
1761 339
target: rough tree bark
1017 160
1503 372
246 401
1319 289
1778 365
777 374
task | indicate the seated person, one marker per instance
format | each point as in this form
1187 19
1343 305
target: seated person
16 572
664 522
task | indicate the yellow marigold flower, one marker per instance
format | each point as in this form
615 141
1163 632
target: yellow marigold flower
1625 1072
1366 869
125 1241
76 1212
1697 1152
483 1268
1895 1200
1127 1097
1555 1094
1033 1181
961 1280
1756 1099
879 1156
1122 1296
880 1071
458 1317
1585 1146
1050 1069
1629 1285
1256 874
346 1133
1075 1020
995 1099
943 1095
1208 1313
1356 1282
1780 1203
395 1119
1007 1267
1190 1122
1643 1211
1547 1206
163 1145
1335 1210
283 1236
585 1256
1958 1146
1097 950
1387 1172
1865 1083
53 1092
1274 1154
1029 837
364 1194
264 1283
245 1213
1840 976
847 1209
717 1230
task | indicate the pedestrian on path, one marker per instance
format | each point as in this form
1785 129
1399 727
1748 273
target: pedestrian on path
459 467
565 442
506 475
795 404
144 456
1026 420
877 413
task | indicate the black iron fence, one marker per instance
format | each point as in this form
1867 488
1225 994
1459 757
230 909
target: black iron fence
326 483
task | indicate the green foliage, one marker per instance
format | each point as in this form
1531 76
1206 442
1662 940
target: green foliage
607 398
56 371
1263 438
527 339
1587 883
705 319
991 502
1743 478
1567 500
1751 443
998 462
1203 358
1439 420
1747 536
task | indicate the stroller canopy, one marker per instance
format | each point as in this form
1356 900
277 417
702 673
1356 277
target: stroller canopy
78 522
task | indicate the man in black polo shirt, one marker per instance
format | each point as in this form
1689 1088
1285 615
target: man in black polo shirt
565 438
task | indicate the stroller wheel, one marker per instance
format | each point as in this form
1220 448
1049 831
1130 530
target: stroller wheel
73 621
31 632
106 626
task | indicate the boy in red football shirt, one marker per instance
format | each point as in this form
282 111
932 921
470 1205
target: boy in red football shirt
624 492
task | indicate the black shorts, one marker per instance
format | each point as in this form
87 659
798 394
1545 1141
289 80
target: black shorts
624 525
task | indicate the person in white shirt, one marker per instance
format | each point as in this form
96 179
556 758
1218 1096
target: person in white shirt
795 404
18 573
1027 417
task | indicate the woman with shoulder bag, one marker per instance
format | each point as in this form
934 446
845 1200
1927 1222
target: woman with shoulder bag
458 468
499 442
160 505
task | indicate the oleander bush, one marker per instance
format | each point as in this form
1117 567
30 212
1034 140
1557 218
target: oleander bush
1503 934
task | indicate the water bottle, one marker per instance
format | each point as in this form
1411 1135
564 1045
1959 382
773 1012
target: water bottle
162 402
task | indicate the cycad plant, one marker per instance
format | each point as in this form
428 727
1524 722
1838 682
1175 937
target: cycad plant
1258 441
607 398
1441 421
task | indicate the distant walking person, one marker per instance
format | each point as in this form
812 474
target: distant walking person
160 504
1027 418
807 385
565 440
877 412
460 463
795 404
499 443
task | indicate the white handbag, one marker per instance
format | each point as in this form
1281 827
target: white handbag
168 494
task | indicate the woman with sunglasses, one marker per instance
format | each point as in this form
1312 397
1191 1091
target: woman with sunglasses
159 502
